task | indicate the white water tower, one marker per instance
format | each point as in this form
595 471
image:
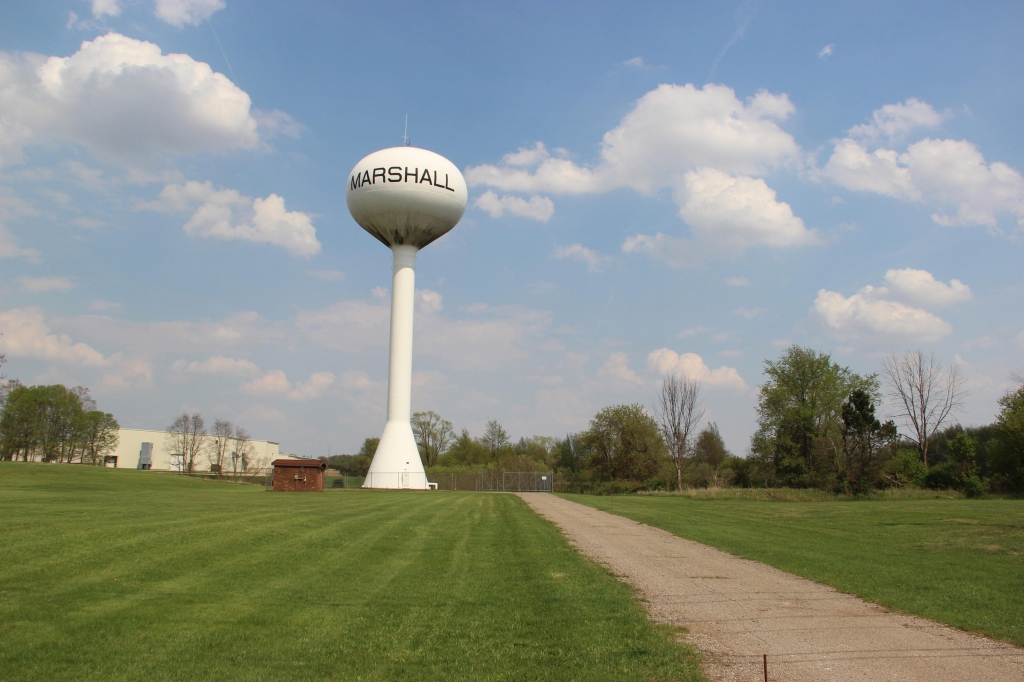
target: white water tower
406 197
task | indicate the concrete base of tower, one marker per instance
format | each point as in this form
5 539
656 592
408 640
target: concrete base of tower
396 464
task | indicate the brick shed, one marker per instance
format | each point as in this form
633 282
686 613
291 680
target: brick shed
299 475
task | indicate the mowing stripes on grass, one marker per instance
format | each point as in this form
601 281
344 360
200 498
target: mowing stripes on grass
127 575
960 562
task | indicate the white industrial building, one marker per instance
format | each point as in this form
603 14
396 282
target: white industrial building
144 449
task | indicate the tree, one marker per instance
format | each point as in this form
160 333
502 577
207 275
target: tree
495 438
799 414
219 445
245 458
99 434
369 447
677 413
864 436
625 443
710 446
186 439
434 436
1007 462
925 397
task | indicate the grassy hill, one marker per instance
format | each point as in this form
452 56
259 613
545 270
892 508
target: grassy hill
129 575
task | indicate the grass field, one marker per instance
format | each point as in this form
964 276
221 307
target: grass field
954 560
125 575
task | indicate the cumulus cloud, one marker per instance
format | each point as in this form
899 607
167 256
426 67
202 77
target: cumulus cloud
228 215
738 282
428 301
217 365
827 51
595 261
672 129
895 121
122 99
942 172
728 215
26 334
617 367
276 382
181 12
691 366
106 8
920 287
40 285
9 246
864 316
888 312
537 207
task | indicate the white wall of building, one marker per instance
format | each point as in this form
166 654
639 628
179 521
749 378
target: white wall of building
130 445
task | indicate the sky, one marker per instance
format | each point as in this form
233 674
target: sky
654 188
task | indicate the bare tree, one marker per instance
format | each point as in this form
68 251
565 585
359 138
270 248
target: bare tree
434 435
678 412
924 395
219 445
186 438
245 459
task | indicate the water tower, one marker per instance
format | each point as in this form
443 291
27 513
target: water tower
406 197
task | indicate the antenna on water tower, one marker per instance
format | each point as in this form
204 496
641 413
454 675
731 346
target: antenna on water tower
405 137
406 198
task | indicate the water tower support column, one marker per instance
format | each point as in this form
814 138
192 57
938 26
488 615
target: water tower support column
397 464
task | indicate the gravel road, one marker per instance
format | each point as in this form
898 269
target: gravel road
737 610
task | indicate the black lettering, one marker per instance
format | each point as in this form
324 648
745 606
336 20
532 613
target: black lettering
382 179
426 176
355 181
366 179
446 183
414 174
395 174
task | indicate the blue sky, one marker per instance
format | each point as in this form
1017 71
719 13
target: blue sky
660 187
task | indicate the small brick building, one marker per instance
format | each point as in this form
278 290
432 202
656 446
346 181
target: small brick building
299 475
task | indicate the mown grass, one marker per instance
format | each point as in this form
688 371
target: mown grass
125 575
953 560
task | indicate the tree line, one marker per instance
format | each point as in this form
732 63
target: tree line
818 426
53 424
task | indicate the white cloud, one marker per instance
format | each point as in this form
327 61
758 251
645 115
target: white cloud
538 208
314 387
638 62
527 156
854 167
827 51
738 282
274 381
920 287
216 365
25 334
895 121
672 129
428 302
105 7
866 316
276 122
734 213
123 99
227 214
728 215
595 261
100 305
617 367
691 366
40 285
181 12
129 374
942 172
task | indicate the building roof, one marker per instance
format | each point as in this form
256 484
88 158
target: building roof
312 463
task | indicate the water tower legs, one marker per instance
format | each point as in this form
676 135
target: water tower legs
397 464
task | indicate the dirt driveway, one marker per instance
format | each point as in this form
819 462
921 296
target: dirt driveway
737 610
